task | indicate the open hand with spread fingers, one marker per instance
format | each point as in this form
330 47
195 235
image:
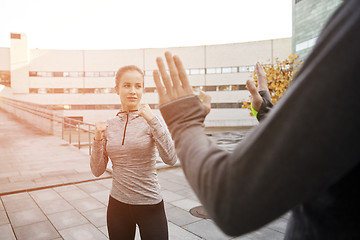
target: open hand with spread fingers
174 86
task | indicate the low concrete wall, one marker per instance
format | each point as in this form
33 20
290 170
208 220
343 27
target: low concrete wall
34 114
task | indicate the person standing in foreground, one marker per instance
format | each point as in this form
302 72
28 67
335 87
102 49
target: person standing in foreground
304 156
130 140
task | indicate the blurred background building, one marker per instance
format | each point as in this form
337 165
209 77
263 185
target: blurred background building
308 18
80 83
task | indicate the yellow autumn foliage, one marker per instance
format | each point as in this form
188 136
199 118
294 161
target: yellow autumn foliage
279 76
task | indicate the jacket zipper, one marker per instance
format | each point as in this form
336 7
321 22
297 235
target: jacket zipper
127 120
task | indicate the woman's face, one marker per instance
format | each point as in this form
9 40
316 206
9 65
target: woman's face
130 90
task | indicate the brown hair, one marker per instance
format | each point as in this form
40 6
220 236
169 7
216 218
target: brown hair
125 69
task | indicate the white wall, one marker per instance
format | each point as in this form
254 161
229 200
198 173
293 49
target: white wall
19 65
56 60
4 59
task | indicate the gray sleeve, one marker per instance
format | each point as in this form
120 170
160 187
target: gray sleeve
163 141
307 142
266 105
99 158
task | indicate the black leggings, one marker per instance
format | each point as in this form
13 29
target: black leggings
122 219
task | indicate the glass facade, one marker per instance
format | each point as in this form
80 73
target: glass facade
308 18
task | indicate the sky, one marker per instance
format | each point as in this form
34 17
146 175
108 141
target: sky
119 24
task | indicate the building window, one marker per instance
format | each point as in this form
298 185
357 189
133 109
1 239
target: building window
33 90
15 36
92 74
106 74
150 89
5 78
209 88
226 105
86 90
226 70
194 71
224 88
58 90
76 74
197 88
58 74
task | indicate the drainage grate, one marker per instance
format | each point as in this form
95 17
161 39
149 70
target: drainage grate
199 212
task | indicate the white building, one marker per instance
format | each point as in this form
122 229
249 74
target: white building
80 83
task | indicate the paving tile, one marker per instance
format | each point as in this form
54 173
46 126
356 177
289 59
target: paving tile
1 206
58 172
4 180
97 216
104 230
37 231
19 205
26 217
16 196
74 194
180 217
166 185
64 188
86 204
106 182
23 178
6 232
243 237
54 206
178 233
102 196
81 176
9 174
186 204
168 205
87 231
170 196
45 195
207 230
3 218
67 219
48 181
188 193
265 234
278 225
91 187
17 186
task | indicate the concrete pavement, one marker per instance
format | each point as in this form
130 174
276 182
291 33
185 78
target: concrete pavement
48 192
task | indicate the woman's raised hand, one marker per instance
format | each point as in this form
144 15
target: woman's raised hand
100 128
146 112
263 86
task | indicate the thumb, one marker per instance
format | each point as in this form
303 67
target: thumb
252 89
257 99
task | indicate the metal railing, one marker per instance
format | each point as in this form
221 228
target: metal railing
44 118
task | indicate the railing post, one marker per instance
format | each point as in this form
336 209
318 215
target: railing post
70 127
62 129
78 130
89 140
